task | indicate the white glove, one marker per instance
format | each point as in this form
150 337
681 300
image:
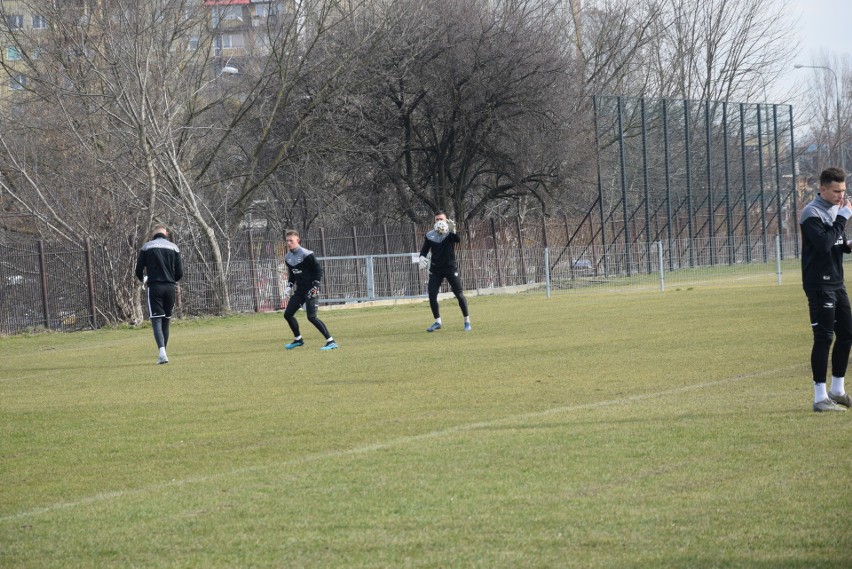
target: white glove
424 262
452 225
845 212
288 290
144 282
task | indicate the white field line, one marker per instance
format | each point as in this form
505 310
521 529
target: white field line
401 441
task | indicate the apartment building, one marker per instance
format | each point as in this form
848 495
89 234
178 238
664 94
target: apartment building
242 28
21 27
235 30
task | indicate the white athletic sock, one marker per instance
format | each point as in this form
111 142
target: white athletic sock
837 385
162 352
330 340
438 320
819 392
299 337
467 319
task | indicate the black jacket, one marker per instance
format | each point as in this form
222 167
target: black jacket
303 269
823 245
443 251
160 260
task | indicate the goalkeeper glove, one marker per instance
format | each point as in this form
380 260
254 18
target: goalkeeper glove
288 290
451 225
424 262
314 292
144 282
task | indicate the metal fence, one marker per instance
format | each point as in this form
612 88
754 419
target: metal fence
665 265
688 191
44 288
363 278
680 169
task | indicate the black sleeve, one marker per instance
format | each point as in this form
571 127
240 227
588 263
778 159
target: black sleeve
178 268
140 265
425 249
316 269
822 236
843 220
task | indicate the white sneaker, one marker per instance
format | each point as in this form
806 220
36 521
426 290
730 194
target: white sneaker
841 399
162 360
827 405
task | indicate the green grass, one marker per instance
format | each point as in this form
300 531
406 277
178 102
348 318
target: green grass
585 430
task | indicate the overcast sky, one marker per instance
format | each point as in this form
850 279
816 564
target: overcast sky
822 24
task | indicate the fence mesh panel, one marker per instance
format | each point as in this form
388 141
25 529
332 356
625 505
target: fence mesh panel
43 286
46 287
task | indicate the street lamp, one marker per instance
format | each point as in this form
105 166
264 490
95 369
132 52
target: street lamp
839 122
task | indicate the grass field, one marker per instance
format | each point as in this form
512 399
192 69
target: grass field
585 430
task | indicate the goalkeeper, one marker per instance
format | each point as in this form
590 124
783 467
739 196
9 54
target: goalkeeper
304 275
441 242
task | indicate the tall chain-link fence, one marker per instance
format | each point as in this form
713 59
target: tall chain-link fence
46 288
687 191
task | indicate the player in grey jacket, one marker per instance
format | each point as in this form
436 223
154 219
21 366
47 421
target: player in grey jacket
304 276
823 223
159 266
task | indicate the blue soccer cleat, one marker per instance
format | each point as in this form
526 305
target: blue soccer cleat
295 344
467 326
330 346
433 327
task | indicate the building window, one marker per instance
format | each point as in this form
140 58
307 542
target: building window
227 41
193 44
15 22
227 14
265 11
13 53
17 82
39 23
232 40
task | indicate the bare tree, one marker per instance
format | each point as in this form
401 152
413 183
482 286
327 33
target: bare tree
612 38
455 102
827 112
133 106
719 50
